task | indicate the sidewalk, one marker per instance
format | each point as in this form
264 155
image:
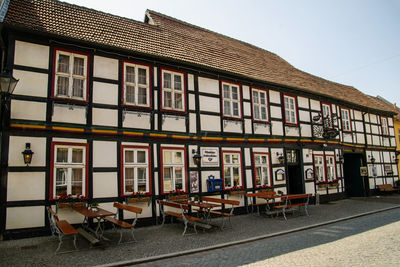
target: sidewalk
154 241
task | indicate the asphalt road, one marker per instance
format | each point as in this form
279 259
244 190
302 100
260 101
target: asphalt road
279 246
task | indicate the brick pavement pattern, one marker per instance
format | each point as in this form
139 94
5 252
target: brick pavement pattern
378 247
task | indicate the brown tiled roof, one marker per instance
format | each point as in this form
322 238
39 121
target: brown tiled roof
173 39
386 104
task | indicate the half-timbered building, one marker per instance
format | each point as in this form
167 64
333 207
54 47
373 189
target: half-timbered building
111 106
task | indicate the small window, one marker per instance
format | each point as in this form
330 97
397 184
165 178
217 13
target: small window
327 115
70 75
232 169
69 169
173 91
262 169
384 124
346 126
136 85
231 100
319 165
136 170
173 169
290 109
260 105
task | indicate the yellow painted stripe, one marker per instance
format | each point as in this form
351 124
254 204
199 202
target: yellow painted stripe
133 133
67 129
27 126
104 131
158 135
256 140
235 139
180 137
212 138
274 140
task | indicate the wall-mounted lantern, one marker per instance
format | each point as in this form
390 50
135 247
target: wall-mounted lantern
396 159
341 159
7 83
372 159
196 157
281 158
27 154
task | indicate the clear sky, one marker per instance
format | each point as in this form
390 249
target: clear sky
353 42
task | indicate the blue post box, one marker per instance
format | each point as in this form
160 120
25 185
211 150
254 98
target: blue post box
213 184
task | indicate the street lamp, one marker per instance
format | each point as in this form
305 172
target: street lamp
196 157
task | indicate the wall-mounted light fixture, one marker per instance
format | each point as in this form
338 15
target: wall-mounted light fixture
196 157
341 159
27 154
281 158
372 159
395 159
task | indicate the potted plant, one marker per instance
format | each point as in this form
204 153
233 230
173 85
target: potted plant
177 195
94 206
236 190
69 201
139 197
264 188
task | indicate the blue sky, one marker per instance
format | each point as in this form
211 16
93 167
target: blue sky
353 42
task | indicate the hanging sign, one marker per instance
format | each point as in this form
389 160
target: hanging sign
209 156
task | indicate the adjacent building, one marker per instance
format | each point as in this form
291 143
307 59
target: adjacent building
111 106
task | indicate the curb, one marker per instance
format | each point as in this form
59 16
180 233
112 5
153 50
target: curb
248 240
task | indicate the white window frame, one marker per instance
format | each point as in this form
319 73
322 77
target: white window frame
136 84
174 92
330 168
385 126
258 106
135 166
174 166
289 119
346 122
230 101
230 166
327 113
70 75
263 181
69 165
319 165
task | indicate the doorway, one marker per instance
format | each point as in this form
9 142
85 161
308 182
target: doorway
294 176
353 181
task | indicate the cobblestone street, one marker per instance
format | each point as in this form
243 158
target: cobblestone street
378 247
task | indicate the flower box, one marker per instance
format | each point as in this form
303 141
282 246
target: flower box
139 199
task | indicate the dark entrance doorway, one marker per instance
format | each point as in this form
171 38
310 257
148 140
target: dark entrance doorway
353 181
294 177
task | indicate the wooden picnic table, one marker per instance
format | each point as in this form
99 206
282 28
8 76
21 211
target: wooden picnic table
89 213
271 200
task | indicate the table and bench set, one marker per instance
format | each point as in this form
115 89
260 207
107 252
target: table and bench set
190 212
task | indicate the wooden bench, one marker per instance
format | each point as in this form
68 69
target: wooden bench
301 200
181 213
253 202
61 228
226 212
123 224
387 188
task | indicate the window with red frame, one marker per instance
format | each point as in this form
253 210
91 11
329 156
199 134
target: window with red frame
346 120
260 105
231 100
70 75
136 85
327 113
69 169
325 168
384 124
173 169
290 109
330 168
173 91
232 169
262 169
319 165
136 170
